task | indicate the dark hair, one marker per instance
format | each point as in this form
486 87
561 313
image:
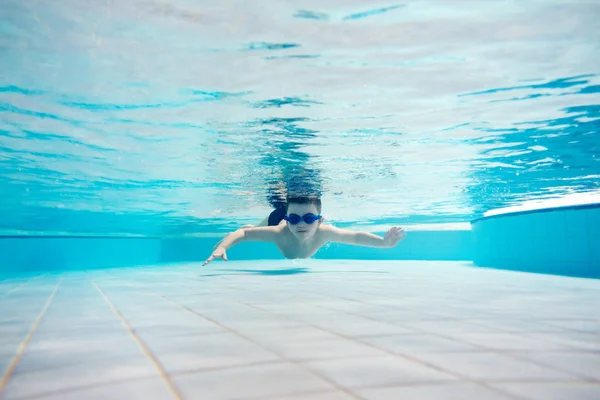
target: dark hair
304 200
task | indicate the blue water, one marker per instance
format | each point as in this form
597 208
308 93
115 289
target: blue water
181 117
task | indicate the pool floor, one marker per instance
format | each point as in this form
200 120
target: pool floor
311 330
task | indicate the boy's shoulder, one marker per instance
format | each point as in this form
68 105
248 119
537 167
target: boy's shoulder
326 230
327 227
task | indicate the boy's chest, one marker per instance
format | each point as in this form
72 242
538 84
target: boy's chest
291 249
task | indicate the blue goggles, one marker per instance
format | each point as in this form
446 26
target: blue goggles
295 218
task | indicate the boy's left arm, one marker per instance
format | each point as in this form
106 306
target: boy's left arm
391 238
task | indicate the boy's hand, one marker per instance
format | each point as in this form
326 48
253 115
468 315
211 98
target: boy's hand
393 236
218 253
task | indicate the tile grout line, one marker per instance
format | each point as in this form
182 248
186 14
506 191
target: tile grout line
581 377
335 385
142 346
23 346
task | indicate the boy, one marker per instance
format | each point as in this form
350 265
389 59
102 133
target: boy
298 231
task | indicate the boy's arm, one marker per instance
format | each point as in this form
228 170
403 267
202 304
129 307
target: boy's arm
254 234
391 239
264 222
259 234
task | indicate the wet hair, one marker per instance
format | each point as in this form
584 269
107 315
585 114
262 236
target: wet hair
305 200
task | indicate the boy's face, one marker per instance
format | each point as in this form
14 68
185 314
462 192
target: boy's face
302 230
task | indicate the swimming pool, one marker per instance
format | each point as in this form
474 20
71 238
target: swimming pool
136 134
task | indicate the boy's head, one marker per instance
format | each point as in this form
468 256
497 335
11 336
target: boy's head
301 206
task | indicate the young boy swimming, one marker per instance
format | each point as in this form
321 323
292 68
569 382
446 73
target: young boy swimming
298 231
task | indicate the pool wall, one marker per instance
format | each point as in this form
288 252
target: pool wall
29 254
418 245
561 241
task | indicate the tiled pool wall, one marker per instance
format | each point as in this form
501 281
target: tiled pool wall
29 254
561 241
418 245
33 254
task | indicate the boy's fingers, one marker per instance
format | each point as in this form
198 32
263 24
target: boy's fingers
399 236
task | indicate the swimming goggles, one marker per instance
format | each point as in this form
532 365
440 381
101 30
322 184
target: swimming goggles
295 218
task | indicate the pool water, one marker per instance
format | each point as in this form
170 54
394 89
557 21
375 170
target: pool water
181 117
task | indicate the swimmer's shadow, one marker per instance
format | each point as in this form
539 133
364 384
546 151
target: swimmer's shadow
266 272
279 272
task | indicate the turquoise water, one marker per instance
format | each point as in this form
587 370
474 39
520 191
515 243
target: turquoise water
183 117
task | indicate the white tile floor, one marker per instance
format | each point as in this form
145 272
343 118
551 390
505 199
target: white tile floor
340 330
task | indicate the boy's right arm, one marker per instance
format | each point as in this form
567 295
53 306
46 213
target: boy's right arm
257 234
